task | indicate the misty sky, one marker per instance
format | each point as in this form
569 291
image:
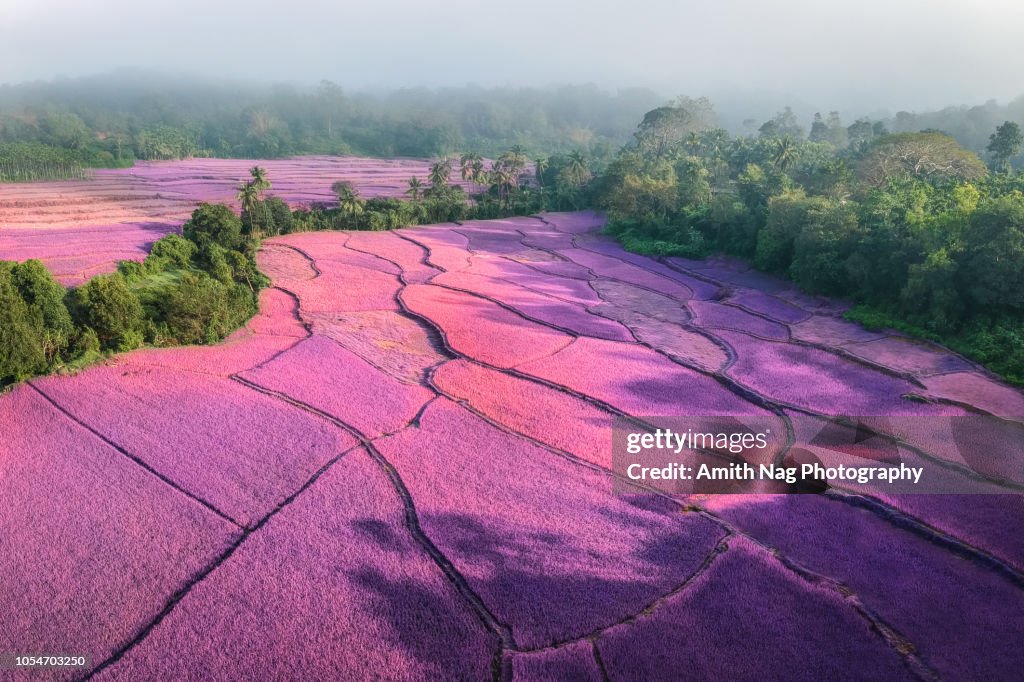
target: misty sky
892 54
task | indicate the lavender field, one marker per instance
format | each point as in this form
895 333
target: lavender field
81 228
401 469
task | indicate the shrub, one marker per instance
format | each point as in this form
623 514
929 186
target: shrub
201 309
217 224
44 297
280 214
173 251
112 310
21 342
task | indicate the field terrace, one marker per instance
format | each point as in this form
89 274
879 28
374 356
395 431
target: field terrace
400 469
82 228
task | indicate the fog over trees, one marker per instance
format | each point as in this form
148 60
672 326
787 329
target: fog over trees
869 55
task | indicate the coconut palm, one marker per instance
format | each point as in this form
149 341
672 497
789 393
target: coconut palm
471 165
576 168
440 172
540 167
248 196
514 159
784 153
260 183
415 190
503 178
348 198
259 178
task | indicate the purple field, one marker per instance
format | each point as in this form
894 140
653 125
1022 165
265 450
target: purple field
82 228
401 469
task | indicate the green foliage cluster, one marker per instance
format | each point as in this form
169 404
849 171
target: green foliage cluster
32 161
195 288
911 226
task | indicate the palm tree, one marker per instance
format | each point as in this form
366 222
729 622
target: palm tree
248 195
259 178
577 169
348 198
260 183
503 179
784 153
514 159
415 189
471 165
540 167
440 172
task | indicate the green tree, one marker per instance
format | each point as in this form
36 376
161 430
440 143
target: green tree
21 339
576 170
821 249
215 223
109 307
540 167
994 255
259 179
930 156
784 153
44 297
440 172
201 309
279 215
248 196
172 251
348 198
783 124
1004 144
415 190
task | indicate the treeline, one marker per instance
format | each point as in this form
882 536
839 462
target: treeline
32 161
195 288
972 126
511 184
911 226
112 121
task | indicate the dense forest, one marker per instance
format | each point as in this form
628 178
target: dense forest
108 121
911 226
61 128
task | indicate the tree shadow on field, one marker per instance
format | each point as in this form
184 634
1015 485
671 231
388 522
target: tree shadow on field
547 584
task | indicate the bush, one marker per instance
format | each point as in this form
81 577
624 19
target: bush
112 310
280 214
44 297
217 224
21 341
201 309
173 251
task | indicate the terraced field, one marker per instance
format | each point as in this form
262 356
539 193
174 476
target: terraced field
401 470
82 228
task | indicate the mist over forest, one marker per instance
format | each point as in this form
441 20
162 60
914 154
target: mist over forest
109 119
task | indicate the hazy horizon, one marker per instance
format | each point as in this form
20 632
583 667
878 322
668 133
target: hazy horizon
874 55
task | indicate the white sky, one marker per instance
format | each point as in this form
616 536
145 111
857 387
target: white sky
870 53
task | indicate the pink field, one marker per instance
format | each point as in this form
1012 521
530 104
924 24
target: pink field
384 477
82 228
637 380
533 410
320 373
240 450
539 538
715 315
339 555
488 333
